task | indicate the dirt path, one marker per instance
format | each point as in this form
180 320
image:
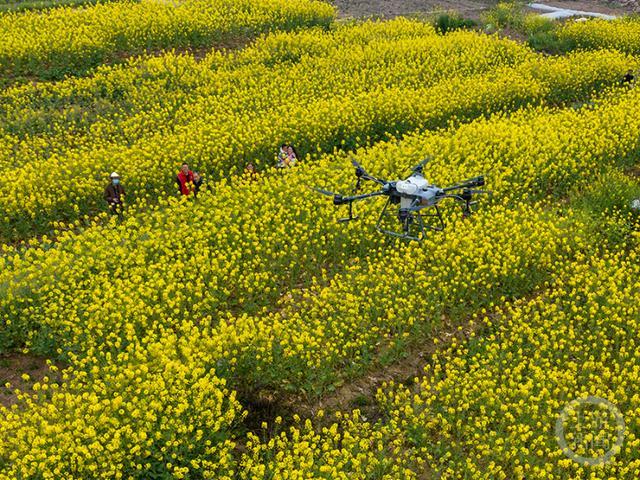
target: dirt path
360 392
394 8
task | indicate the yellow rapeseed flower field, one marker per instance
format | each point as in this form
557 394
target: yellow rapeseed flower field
336 97
488 404
62 41
340 95
622 34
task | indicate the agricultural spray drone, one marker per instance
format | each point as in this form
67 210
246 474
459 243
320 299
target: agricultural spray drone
412 195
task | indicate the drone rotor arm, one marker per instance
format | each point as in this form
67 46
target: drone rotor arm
366 176
481 192
470 183
419 167
364 196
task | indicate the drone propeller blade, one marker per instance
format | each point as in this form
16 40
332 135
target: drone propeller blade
480 179
323 192
420 166
361 173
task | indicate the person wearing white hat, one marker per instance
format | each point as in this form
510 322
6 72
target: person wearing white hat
114 194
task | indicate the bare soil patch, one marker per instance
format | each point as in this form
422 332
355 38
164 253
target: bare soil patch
361 392
395 8
634 171
467 8
14 366
356 393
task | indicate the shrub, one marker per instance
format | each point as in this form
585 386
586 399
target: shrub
450 21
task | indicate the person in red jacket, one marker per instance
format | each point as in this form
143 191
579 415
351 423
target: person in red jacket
185 179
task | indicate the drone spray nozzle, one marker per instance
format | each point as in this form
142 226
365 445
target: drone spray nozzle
404 214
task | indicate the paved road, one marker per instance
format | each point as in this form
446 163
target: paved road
555 13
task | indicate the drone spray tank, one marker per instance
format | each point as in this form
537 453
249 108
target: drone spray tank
410 188
414 193
416 186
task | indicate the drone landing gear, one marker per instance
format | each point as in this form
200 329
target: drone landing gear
350 217
437 216
412 222
467 203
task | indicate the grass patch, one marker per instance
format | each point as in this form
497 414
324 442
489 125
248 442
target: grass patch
504 15
606 207
450 21
540 33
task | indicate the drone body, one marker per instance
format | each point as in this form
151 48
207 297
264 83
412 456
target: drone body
412 195
416 186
